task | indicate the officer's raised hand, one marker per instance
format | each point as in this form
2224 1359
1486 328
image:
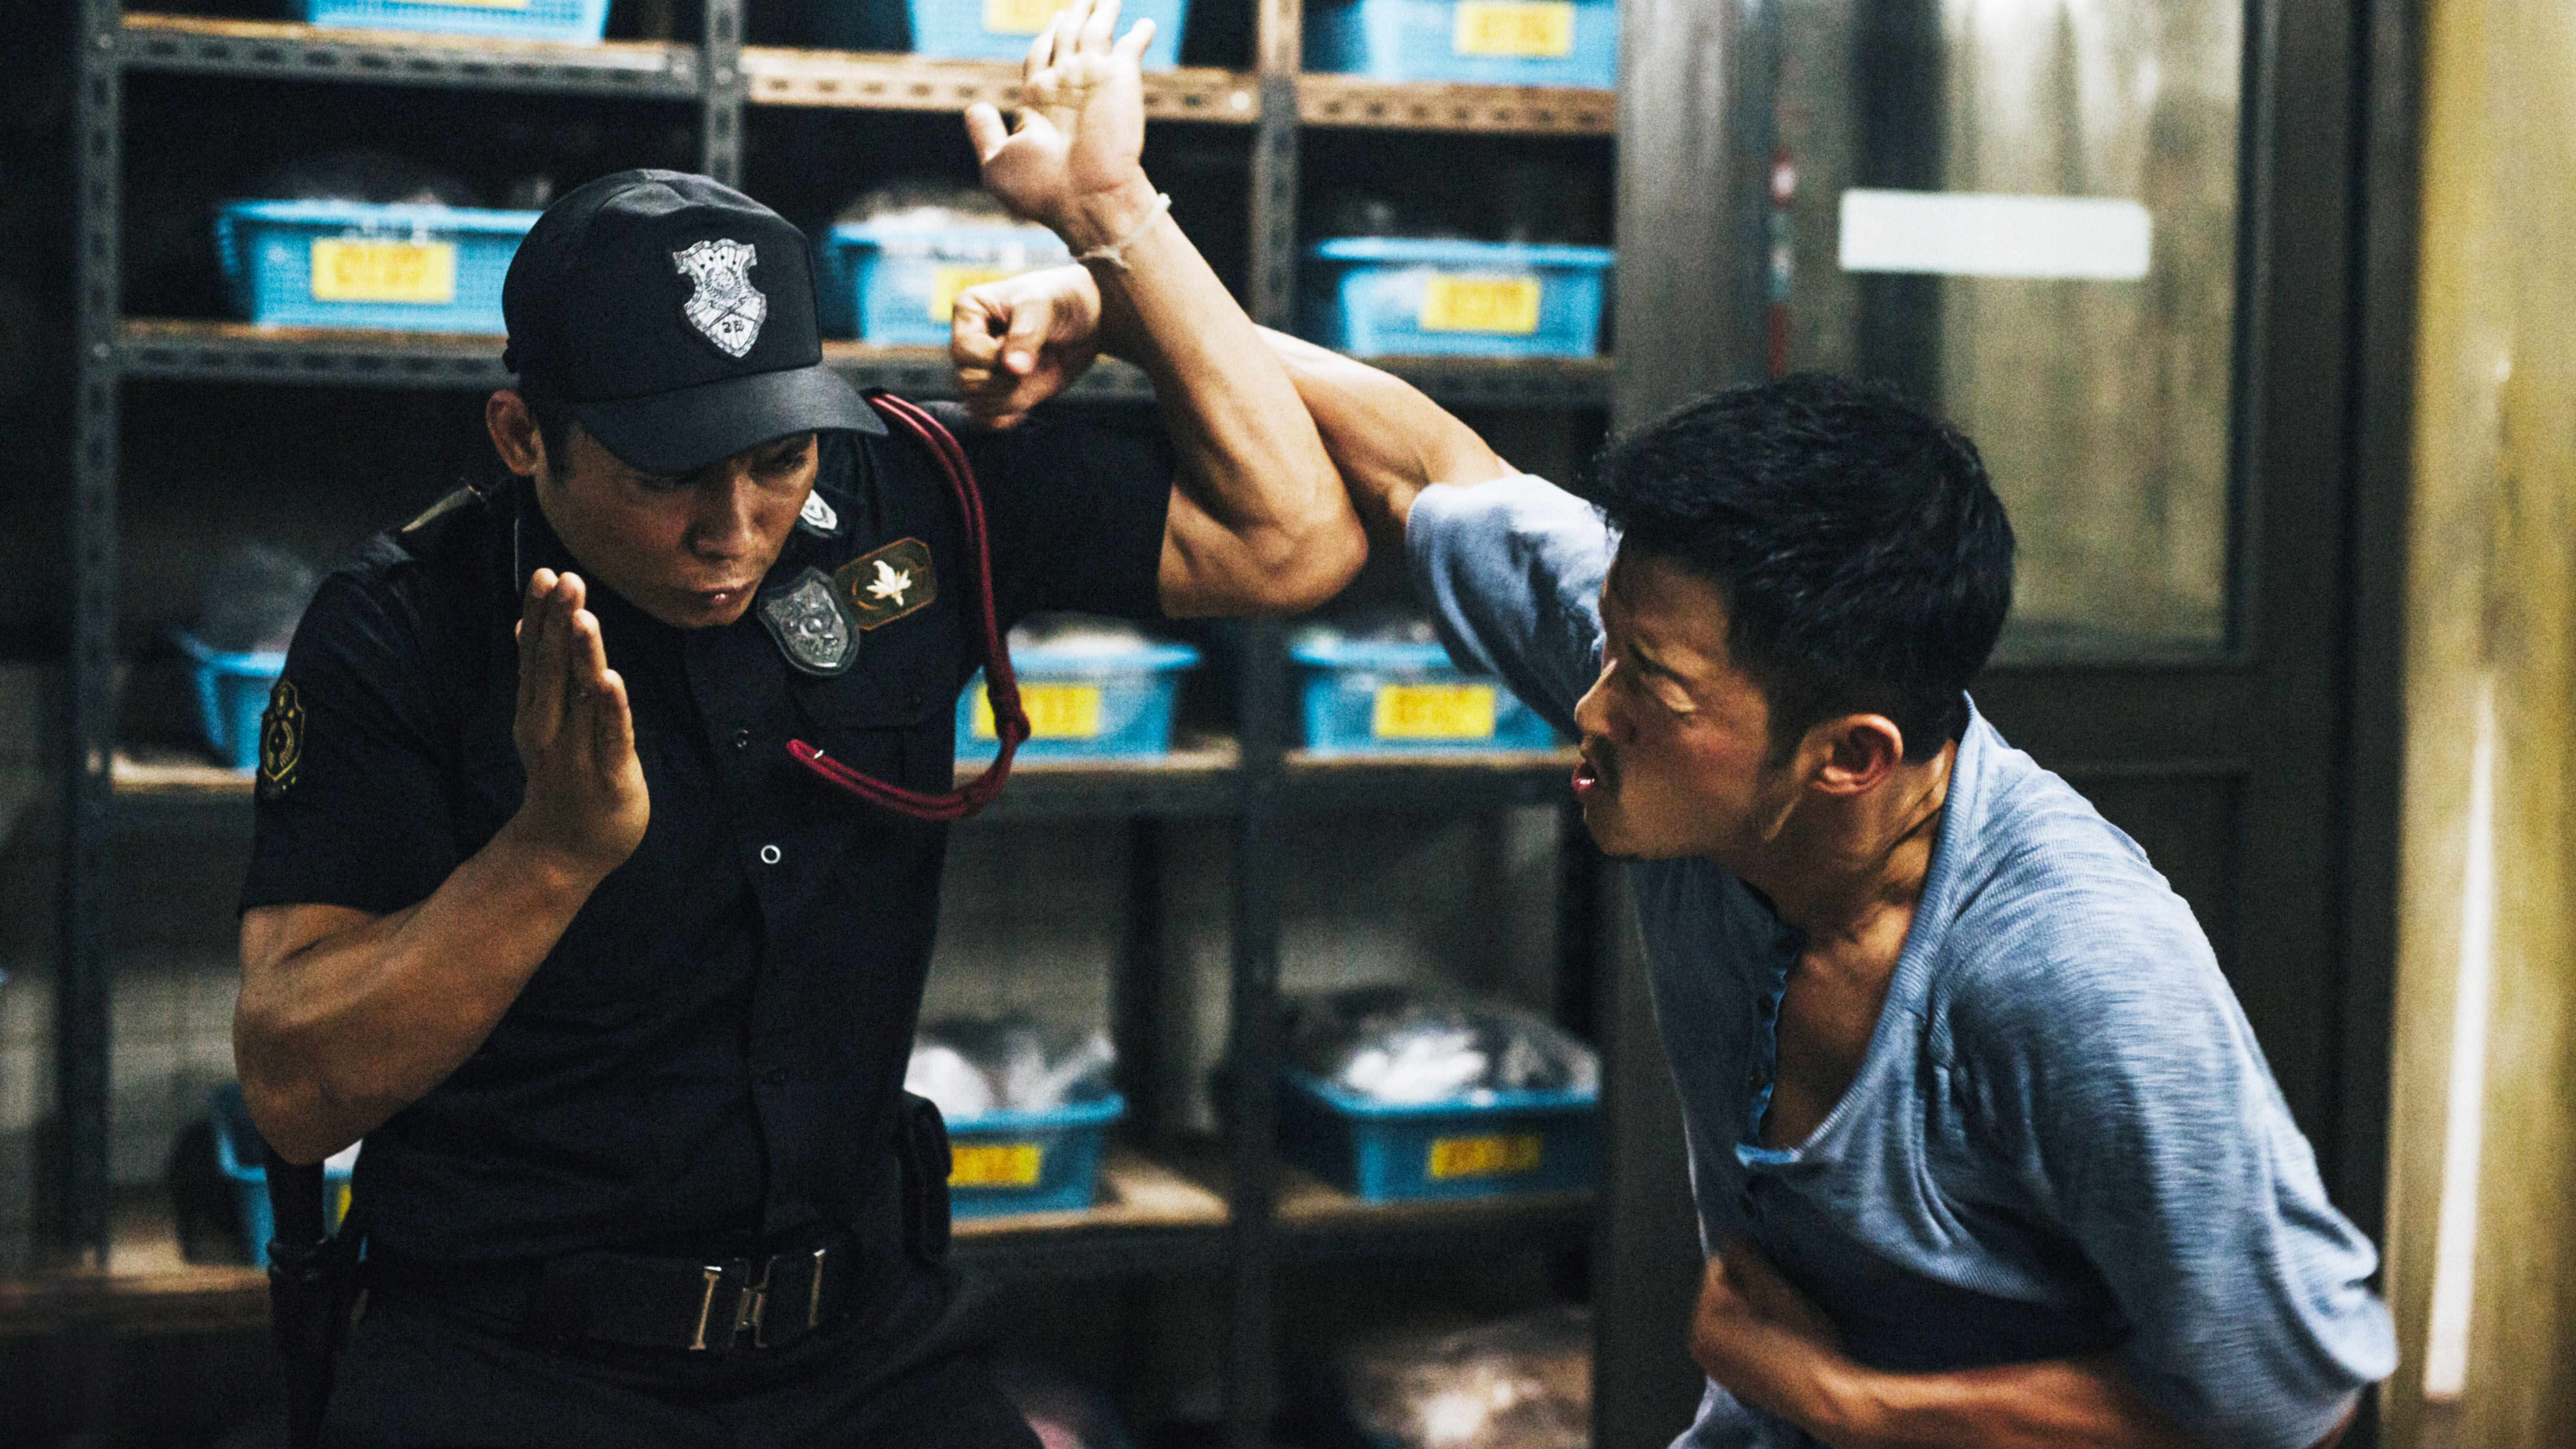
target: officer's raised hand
1074 160
585 803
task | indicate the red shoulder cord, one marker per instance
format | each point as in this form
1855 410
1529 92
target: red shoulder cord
1010 722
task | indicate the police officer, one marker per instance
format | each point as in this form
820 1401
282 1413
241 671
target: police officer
618 989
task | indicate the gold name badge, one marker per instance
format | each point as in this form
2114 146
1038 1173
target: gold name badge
1055 711
1433 712
1533 28
947 282
1000 1164
1456 1157
1505 305
350 269
1018 17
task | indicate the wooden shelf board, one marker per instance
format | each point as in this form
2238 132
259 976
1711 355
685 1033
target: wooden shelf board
879 82
1357 101
325 52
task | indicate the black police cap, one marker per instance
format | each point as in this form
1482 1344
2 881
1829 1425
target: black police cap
674 317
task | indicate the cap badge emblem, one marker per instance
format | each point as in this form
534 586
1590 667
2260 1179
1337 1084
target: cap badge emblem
810 625
726 308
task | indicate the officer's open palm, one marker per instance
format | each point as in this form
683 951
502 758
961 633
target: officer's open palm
1081 131
576 736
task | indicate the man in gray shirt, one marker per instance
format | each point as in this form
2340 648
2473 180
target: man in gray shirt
1984 1151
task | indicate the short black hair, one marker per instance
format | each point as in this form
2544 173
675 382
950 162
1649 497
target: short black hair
1864 558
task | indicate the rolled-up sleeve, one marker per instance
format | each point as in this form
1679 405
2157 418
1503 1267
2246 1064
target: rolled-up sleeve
1512 570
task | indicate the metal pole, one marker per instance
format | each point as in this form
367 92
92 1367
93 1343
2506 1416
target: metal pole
1251 1378
89 726
721 82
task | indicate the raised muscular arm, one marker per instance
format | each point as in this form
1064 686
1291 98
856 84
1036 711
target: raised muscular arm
1020 341
346 1018
1257 522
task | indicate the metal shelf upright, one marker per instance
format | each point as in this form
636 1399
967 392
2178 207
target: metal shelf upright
1251 1216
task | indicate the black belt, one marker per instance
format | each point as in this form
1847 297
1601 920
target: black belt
694 1305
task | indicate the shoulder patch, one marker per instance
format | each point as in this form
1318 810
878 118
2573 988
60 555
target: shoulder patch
281 740
888 584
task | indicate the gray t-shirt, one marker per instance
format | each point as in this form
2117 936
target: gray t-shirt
2063 1137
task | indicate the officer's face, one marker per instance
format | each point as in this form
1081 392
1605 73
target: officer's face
690 550
1676 737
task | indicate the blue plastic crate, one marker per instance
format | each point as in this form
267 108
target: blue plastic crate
232 692
1488 42
1397 296
1029 1162
238 1154
568 21
895 284
1484 1145
1084 706
979 29
352 264
1380 698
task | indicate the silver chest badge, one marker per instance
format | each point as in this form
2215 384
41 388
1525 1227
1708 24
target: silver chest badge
809 625
726 308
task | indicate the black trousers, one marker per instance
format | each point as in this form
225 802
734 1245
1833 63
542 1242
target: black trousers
418 1376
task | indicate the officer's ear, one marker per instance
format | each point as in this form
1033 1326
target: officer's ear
515 435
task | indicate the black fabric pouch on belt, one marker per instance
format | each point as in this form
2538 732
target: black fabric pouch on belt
921 1140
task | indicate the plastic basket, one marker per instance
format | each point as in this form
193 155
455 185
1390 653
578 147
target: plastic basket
1397 698
893 284
1487 1145
1083 706
232 693
238 1154
571 21
1029 1162
1395 296
979 29
1488 42
353 264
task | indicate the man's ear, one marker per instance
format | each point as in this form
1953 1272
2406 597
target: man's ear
1851 754
514 433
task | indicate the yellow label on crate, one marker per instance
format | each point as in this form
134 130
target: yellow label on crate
1433 712
1454 1157
1507 305
947 282
1514 27
1018 17
1000 1164
1056 712
350 269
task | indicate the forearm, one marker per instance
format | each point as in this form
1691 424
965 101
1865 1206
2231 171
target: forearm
2081 1403
337 1034
1388 440
1265 523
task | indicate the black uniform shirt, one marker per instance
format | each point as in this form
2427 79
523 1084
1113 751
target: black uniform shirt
716 1046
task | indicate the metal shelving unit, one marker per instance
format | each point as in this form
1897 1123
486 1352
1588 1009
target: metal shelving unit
1236 1210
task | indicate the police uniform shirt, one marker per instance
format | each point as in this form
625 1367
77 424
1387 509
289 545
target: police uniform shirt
715 1048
